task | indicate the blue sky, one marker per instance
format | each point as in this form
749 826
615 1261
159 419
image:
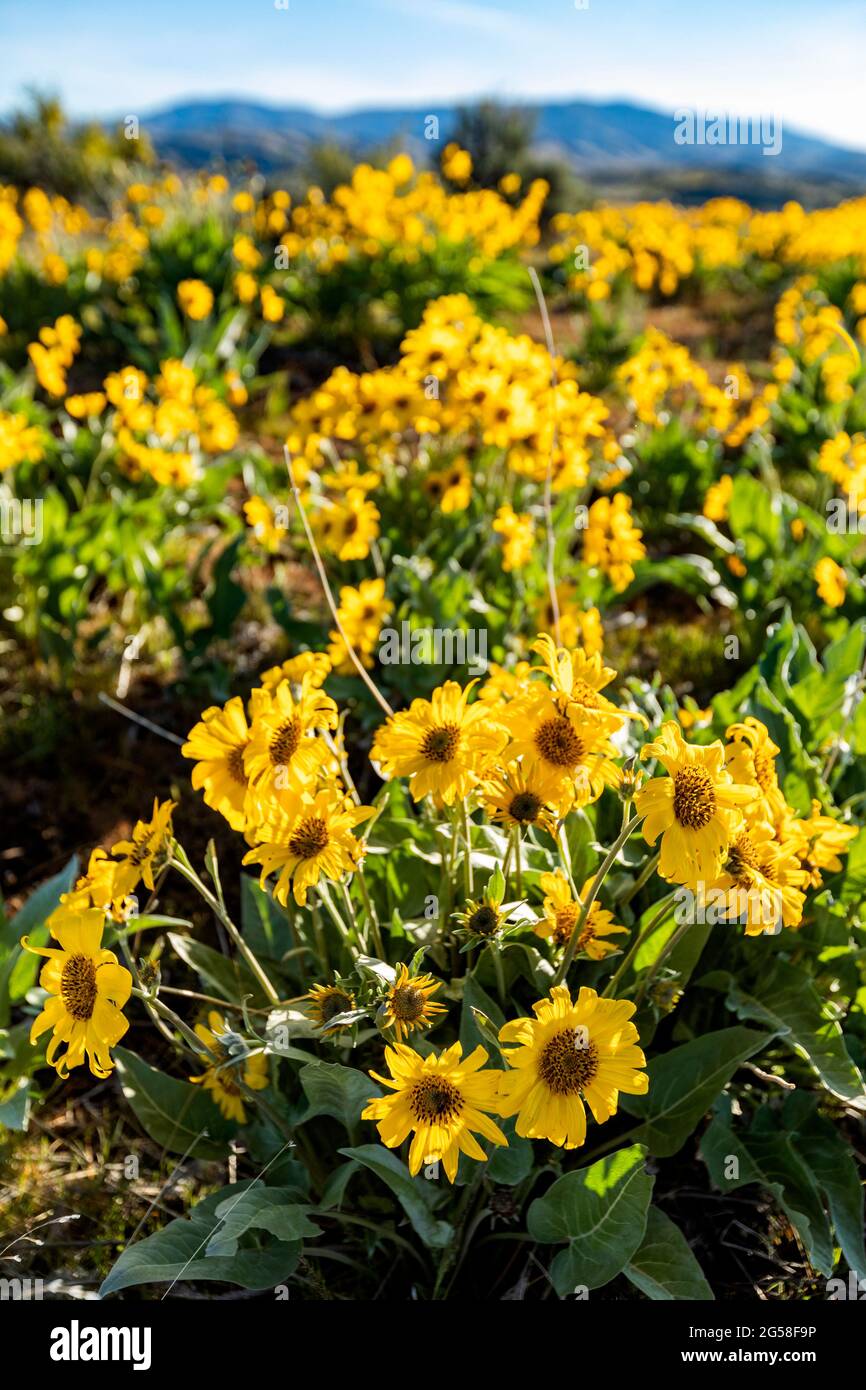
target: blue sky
801 60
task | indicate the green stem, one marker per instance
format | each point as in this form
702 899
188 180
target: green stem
330 907
446 878
181 862
371 914
360 937
566 859
506 867
452 1249
518 868
645 874
141 993
608 860
211 999
500 973
319 935
670 945
647 932
467 855
197 1047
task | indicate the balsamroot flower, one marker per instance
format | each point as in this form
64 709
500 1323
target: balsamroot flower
442 745
570 1053
283 754
442 1101
87 990
409 1004
136 859
195 298
307 839
221 1078
695 808
217 744
562 911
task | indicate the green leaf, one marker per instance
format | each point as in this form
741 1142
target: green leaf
663 1266
766 1156
601 1211
230 978
178 1116
335 1187
263 922
684 1083
853 889
786 999
273 1209
833 1168
510 1166
179 1252
15 1108
20 968
496 886
754 517
830 1160
471 1036
341 1092
415 1195
226 598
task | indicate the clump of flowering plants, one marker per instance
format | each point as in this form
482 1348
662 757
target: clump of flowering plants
546 927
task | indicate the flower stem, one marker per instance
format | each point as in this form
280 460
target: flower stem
328 902
181 862
467 856
319 936
518 868
644 875
500 973
670 945
566 859
371 914
506 867
195 1044
608 860
647 932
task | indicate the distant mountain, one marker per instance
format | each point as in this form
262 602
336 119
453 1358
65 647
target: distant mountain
607 138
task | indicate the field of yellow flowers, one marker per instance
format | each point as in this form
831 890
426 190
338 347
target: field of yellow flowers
434 735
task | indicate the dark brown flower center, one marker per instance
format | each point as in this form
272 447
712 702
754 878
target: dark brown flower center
333 1004
227 1080
440 744
435 1099
566 917
235 765
407 1003
557 742
285 742
568 1062
483 921
310 838
694 797
743 861
140 853
525 807
78 986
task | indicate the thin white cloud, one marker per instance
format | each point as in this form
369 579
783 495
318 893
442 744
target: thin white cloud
458 14
435 52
